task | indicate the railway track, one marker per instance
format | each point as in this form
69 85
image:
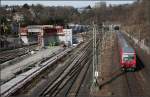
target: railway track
26 87
8 55
21 80
69 77
72 72
75 88
69 82
134 86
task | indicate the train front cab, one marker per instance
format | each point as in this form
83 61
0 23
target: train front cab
128 61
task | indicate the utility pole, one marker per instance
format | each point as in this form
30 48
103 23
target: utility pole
95 61
101 48
19 32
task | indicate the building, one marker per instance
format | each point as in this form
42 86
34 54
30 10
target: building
66 37
24 34
77 28
18 17
46 35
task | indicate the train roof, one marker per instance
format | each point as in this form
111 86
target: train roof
124 45
128 50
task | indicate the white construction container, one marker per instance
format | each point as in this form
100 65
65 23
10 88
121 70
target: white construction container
67 37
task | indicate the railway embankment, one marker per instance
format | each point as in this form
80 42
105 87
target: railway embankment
138 42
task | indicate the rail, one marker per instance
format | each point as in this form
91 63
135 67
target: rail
19 84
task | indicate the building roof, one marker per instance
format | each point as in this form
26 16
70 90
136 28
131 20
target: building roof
39 26
43 26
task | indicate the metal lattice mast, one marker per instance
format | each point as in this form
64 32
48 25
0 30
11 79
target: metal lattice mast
93 54
95 72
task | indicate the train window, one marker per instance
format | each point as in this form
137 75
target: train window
128 57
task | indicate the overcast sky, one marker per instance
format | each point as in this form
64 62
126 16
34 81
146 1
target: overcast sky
63 3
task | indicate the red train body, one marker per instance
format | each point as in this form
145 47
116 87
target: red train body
127 54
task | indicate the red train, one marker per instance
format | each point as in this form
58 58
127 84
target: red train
127 54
